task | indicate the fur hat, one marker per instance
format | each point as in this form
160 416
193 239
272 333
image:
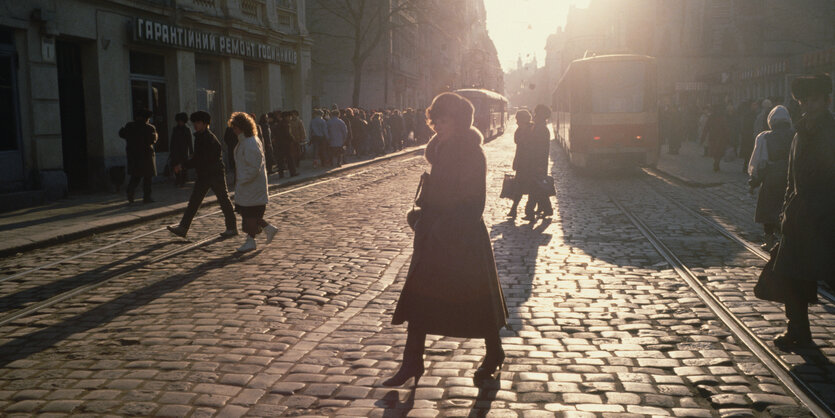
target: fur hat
807 86
201 116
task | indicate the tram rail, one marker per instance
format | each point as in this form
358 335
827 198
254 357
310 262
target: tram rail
127 268
773 361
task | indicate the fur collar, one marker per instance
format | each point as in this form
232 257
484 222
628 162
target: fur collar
469 140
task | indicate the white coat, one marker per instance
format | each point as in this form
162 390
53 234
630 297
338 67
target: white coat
250 173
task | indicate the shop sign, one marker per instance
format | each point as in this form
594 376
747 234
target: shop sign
178 37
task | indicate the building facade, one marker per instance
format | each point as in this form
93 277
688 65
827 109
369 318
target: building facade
73 72
425 47
708 51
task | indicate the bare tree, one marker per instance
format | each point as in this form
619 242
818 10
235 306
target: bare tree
367 21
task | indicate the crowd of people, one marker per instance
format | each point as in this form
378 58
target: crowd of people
726 131
335 135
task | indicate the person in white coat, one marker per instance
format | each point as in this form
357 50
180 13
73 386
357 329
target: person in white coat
251 186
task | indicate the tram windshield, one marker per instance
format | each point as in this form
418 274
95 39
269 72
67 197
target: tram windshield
617 87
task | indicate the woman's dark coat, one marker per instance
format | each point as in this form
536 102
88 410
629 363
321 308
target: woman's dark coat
140 138
452 287
773 175
716 134
807 247
376 136
531 160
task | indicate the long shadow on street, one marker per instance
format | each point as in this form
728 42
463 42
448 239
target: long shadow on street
26 345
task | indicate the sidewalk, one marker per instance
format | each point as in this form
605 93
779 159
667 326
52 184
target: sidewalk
79 216
692 168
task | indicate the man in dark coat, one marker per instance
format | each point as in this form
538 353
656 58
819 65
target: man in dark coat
181 148
140 137
806 253
283 143
211 174
532 165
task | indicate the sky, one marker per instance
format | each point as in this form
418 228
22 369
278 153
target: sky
522 26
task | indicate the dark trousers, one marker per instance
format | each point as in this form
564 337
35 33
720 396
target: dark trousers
284 158
181 178
797 312
146 186
335 156
538 201
252 219
201 186
320 149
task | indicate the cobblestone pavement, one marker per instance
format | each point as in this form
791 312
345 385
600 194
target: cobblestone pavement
600 325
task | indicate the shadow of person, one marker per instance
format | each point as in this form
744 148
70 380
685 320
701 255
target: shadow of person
26 345
516 248
392 404
487 390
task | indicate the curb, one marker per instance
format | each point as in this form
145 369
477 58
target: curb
177 208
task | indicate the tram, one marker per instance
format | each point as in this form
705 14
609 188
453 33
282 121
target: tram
490 110
606 112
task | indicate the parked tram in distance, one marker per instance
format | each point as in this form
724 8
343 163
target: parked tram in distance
606 113
490 110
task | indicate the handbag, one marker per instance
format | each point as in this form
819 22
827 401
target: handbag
770 286
413 216
546 186
510 188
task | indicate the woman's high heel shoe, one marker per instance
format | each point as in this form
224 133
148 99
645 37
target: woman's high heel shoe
489 366
404 374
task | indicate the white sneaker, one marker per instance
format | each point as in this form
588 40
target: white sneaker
249 245
270 232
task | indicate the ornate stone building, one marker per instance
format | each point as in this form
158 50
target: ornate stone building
74 71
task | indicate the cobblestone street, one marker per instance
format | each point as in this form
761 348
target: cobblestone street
600 323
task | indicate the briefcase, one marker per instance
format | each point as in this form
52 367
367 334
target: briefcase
510 188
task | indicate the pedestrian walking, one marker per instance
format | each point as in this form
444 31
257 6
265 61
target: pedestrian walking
715 134
207 161
283 143
376 135
533 166
337 137
266 136
747 135
522 139
768 168
251 195
299 136
140 137
452 287
319 138
761 121
805 253
181 147
397 130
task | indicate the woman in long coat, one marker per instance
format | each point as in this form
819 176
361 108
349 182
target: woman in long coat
532 165
768 167
452 287
806 253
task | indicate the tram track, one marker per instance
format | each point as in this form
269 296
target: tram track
733 236
772 360
120 271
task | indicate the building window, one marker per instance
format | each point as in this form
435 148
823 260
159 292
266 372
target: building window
252 88
209 82
148 91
